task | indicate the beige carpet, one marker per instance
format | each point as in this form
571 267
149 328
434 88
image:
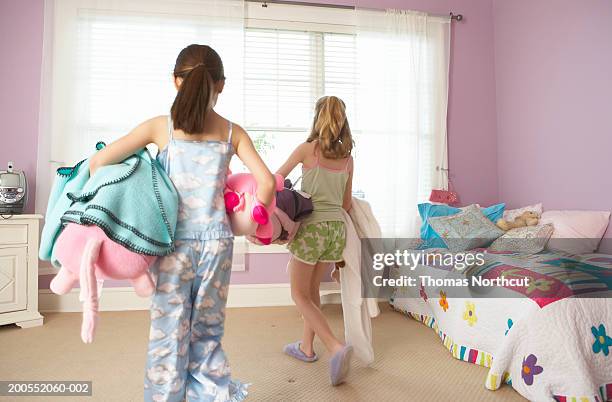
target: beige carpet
411 364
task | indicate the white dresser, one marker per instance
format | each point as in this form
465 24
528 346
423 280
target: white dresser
19 270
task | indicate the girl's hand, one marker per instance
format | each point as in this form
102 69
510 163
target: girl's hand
266 185
151 131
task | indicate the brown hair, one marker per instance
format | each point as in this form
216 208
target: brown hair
331 128
200 67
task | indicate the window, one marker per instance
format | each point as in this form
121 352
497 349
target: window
110 66
285 72
124 67
276 71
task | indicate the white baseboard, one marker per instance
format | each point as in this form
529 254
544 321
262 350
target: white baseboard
44 270
124 298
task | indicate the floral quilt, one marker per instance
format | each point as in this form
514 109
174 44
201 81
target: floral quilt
553 344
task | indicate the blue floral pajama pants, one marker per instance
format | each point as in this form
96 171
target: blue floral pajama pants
185 360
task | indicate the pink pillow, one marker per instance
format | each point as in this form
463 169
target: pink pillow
584 229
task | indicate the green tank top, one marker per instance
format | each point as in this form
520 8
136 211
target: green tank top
326 187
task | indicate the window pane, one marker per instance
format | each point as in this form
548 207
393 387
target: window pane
124 66
281 69
285 73
340 69
274 147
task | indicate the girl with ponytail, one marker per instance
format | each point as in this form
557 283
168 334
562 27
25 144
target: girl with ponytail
327 175
185 360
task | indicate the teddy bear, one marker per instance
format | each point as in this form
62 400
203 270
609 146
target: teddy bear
527 218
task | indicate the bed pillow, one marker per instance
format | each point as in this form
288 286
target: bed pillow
528 239
494 212
576 232
512 214
428 234
466 230
427 210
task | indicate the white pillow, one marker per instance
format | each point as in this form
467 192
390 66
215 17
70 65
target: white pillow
512 214
584 229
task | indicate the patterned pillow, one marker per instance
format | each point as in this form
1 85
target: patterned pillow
466 230
528 239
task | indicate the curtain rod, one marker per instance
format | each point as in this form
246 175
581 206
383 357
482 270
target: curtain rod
264 3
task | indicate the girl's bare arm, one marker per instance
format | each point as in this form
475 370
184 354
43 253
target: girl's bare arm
348 191
141 136
297 156
266 185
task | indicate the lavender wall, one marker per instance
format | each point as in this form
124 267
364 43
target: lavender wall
21 33
552 64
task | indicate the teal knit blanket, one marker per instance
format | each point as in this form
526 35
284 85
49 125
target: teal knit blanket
133 202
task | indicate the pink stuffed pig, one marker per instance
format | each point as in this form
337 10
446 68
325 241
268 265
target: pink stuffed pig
248 216
88 255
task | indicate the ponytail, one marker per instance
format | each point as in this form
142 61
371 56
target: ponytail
200 67
331 128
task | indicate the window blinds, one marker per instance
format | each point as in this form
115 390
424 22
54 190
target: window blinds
287 71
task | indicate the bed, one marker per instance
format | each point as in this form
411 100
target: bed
550 342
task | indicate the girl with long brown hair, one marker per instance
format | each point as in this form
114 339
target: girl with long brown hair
185 360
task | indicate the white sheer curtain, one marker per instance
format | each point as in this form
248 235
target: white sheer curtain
108 65
403 62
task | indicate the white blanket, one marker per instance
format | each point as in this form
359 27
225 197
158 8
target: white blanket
356 310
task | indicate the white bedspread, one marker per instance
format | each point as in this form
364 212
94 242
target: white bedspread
547 351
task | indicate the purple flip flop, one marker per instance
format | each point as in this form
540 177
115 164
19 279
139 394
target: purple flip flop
340 364
293 350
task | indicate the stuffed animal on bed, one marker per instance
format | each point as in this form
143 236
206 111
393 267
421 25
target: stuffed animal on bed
247 215
528 218
87 257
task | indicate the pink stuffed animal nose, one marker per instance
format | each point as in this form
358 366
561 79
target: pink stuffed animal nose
265 240
260 215
232 200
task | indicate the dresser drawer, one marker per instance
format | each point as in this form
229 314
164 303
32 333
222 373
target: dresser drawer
13 234
13 279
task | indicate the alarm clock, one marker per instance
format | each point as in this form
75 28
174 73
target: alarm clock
13 191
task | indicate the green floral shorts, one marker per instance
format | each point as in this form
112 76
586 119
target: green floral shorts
321 241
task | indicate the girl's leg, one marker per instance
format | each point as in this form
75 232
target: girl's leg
209 376
315 283
301 277
168 354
